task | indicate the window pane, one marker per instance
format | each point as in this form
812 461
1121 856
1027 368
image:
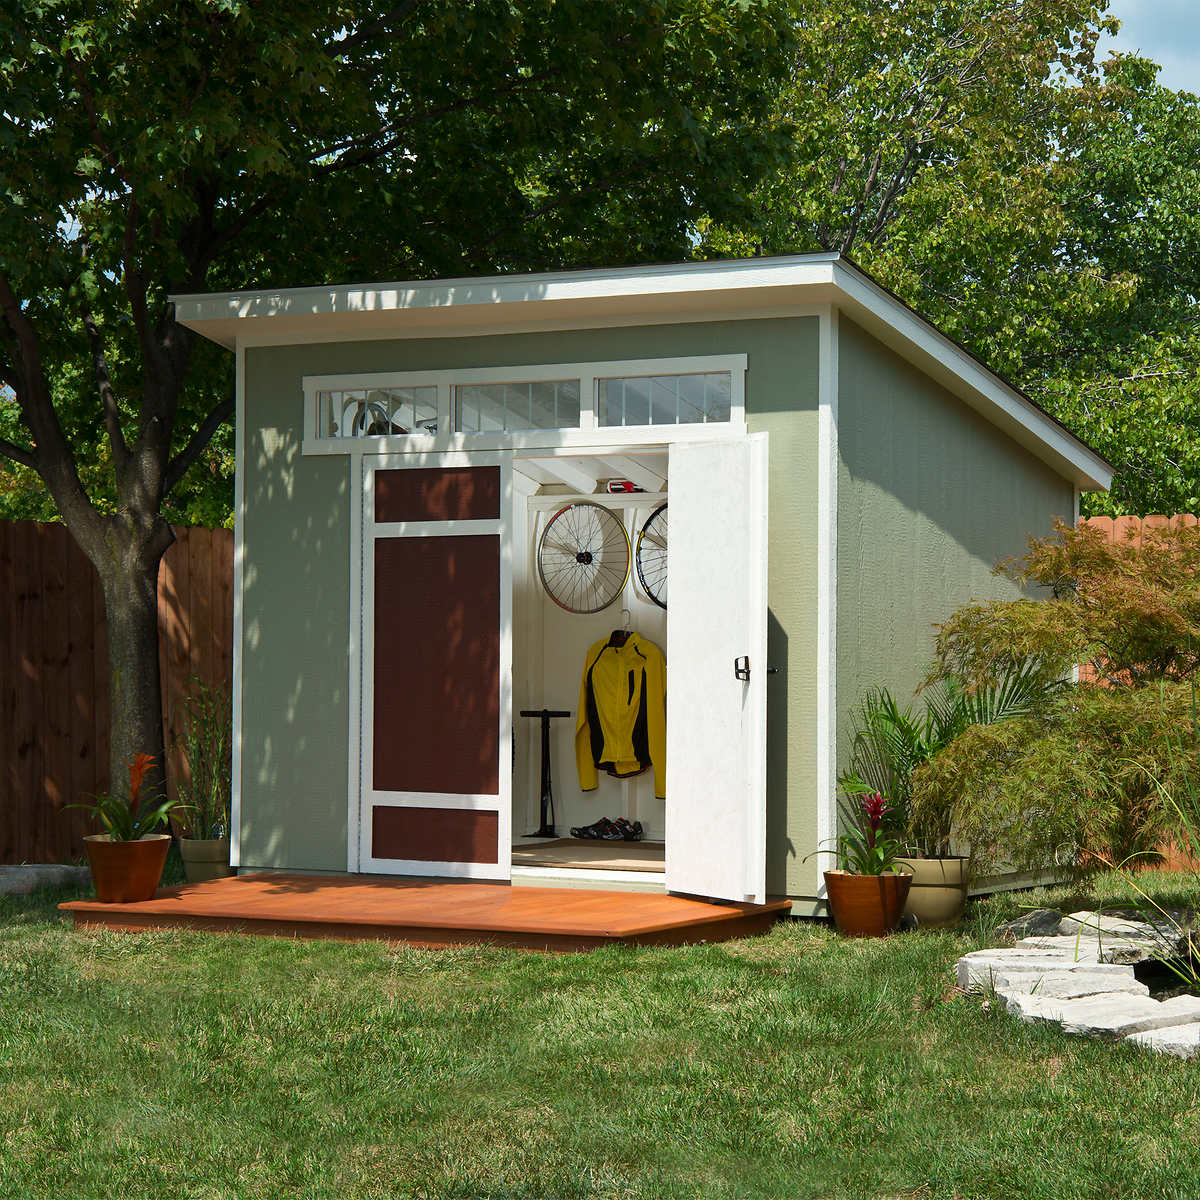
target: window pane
496 407
666 399
377 412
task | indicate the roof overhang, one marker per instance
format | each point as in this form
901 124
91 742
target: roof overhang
639 295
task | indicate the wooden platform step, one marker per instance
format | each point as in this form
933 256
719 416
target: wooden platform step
432 913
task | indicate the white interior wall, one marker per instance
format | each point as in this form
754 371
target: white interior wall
549 646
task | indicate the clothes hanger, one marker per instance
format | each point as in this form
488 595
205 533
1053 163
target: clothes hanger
619 637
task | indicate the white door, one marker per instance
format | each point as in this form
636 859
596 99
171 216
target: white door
716 811
436 715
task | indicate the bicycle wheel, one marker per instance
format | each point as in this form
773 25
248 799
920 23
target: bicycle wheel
583 557
651 556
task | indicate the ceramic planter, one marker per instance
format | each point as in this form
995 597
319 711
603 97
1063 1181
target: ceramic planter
125 872
205 858
939 891
866 905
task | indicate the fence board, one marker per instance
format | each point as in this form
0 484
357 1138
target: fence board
54 685
86 765
8 684
27 664
54 678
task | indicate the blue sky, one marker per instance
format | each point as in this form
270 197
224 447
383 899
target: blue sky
1167 31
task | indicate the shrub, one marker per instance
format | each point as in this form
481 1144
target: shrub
1088 772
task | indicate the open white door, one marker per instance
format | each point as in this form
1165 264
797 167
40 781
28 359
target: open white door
716 812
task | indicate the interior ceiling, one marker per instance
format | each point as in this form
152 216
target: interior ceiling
586 474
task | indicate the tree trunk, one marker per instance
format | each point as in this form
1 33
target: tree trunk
129 579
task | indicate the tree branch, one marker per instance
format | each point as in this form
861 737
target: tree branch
53 458
19 454
399 13
112 413
179 466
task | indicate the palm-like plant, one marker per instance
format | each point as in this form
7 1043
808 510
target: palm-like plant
891 742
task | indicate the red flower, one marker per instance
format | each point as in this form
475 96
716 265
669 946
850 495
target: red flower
137 775
874 806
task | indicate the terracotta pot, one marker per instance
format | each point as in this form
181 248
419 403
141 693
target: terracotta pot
866 905
125 872
939 891
205 858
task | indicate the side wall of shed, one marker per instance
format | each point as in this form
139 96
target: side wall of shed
930 497
297 594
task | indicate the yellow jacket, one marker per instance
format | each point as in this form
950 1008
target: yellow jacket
621 722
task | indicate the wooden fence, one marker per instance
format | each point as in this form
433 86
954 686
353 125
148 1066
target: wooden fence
54 673
1120 529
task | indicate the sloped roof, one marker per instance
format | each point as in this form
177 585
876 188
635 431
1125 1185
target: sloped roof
657 294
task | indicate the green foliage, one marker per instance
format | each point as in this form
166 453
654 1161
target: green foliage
1094 770
206 741
891 743
1039 206
164 148
1080 778
867 846
1130 610
134 813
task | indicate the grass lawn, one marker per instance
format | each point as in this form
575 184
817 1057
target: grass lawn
795 1065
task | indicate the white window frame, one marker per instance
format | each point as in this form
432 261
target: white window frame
587 433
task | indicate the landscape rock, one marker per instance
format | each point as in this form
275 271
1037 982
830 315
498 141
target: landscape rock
22 880
1181 1040
1039 921
1130 937
1107 1016
1068 985
979 968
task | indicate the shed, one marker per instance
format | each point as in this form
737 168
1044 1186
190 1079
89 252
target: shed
840 476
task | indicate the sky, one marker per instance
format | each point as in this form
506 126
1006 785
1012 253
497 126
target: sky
1167 31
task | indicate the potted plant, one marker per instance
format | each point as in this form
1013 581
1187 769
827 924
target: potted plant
203 823
891 743
866 894
127 861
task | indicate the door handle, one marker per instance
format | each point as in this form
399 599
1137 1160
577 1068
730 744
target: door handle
741 667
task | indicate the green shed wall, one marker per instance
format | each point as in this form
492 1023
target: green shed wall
296 589
930 497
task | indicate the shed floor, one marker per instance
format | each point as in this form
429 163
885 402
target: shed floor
429 912
584 855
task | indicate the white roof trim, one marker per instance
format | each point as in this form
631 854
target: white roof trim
627 295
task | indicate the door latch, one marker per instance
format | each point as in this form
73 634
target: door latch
741 667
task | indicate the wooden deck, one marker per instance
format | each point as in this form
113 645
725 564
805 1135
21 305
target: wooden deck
433 913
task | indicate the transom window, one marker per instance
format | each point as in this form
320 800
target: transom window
497 406
665 399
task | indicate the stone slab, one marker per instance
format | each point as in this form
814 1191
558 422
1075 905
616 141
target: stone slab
1126 937
1183 1041
1037 921
22 880
1108 1016
978 968
1067 985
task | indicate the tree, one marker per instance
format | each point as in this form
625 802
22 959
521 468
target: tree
167 147
1099 764
1040 207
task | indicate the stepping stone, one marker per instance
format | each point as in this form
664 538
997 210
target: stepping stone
1181 1040
979 968
1107 948
1107 1016
23 879
1069 985
1039 921
1126 938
